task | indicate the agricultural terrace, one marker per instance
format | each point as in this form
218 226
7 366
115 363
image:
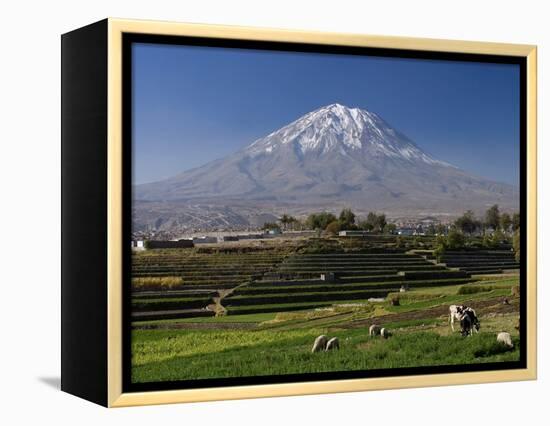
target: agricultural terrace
245 310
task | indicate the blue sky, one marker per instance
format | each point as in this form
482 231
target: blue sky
196 104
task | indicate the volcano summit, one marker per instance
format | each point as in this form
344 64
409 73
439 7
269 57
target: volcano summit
332 157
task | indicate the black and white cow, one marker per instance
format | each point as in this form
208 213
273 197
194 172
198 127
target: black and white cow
455 313
469 322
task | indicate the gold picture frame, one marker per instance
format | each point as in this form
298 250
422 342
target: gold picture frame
115 29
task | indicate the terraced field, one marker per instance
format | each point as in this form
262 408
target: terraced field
481 261
179 284
200 315
348 277
280 342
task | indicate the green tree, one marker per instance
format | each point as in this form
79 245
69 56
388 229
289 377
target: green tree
390 228
430 229
505 222
467 223
398 242
333 227
287 221
515 222
374 222
455 240
517 244
271 226
319 220
492 217
380 222
347 219
365 225
440 229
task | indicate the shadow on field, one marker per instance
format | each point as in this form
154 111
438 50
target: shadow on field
495 349
53 382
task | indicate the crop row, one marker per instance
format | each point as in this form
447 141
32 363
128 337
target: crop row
293 275
260 309
317 281
173 314
304 297
157 304
321 286
358 263
473 264
479 253
193 278
374 256
208 258
235 262
427 275
428 266
215 272
484 271
145 295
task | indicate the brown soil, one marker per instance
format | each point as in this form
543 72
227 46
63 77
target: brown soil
482 308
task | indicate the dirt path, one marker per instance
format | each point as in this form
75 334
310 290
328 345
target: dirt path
200 326
482 308
217 306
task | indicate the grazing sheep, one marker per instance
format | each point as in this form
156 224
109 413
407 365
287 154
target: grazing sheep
403 289
505 339
319 344
374 330
385 333
333 344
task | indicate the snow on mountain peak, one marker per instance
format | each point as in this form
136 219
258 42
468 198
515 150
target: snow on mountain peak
338 127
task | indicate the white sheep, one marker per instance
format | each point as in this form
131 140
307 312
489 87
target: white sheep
374 330
505 339
385 333
333 344
319 344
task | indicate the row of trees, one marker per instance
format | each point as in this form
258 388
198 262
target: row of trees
493 221
347 220
326 221
495 227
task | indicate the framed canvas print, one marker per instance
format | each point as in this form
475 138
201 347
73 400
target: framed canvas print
250 212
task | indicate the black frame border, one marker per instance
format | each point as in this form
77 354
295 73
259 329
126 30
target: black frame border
130 38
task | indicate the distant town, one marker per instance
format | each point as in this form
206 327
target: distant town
347 224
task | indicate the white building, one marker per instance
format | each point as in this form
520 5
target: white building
138 245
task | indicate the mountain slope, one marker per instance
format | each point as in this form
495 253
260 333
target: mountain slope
330 156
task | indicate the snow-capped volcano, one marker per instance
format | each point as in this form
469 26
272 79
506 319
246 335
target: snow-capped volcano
336 126
333 156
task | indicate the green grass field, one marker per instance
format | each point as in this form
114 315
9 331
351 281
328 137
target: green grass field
192 354
267 325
